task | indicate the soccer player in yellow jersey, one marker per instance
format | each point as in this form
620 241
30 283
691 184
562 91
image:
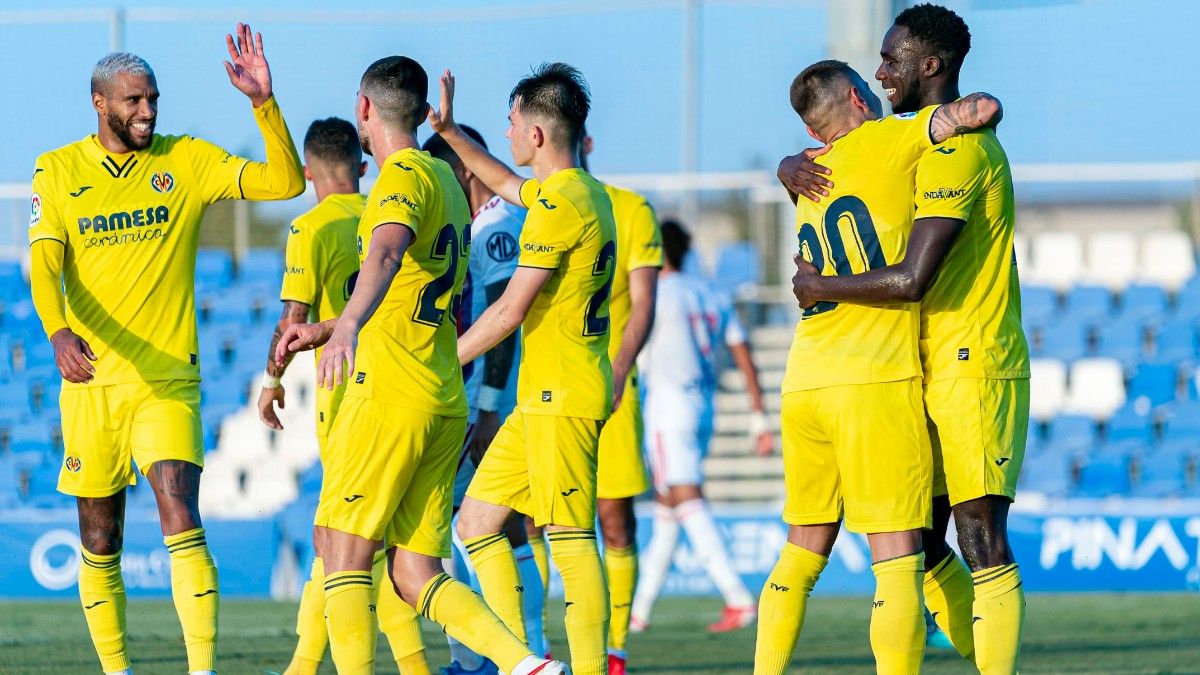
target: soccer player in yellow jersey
320 268
854 433
621 470
390 460
115 224
543 460
960 264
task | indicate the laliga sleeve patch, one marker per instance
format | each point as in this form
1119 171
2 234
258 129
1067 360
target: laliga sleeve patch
35 210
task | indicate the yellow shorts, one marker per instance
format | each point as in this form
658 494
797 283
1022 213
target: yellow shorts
978 429
543 466
328 403
389 475
861 451
621 471
107 429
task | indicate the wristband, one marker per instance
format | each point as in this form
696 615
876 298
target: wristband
757 424
488 398
269 381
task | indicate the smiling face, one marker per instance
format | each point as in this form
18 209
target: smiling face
128 107
900 69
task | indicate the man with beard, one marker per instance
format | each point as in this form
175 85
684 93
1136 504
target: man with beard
115 223
959 265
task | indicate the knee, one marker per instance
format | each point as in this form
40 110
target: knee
102 540
470 526
177 516
619 527
982 540
408 574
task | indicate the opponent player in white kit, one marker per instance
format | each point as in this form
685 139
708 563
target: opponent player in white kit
491 381
680 375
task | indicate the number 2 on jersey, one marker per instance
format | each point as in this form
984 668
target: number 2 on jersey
446 246
866 242
606 266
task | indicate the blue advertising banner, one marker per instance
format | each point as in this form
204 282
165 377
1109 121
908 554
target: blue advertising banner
41 555
1073 551
1067 548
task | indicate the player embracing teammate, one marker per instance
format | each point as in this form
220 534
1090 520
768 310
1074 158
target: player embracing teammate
958 265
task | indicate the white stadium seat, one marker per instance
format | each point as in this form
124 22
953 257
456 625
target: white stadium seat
1112 259
1047 387
1097 388
1167 259
1057 259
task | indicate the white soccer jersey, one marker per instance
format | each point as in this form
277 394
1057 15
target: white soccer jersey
495 231
679 367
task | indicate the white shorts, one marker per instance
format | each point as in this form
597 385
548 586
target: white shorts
675 454
465 471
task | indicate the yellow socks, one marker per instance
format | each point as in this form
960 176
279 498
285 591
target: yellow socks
102 592
398 621
949 592
350 620
781 607
195 591
586 595
999 612
621 565
898 616
467 619
492 557
312 640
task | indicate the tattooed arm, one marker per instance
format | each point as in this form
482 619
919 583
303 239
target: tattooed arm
969 113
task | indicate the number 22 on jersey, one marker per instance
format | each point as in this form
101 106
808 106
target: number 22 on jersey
446 247
846 217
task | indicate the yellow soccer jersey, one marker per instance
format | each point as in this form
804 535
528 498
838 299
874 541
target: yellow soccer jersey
863 225
408 351
639 244
320 268
130 225
565 369
971 316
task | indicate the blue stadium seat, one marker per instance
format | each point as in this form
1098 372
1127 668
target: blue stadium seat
261 265
1161 474
1127 449
1066 341
32 438
1047 473
1123 340
1039 305
140 497
1126 424
1187 301
229 311
1089 304
1035 444
738 266
12 282
1104 477
1175 342
1071 435
310 479
1156 383
214 269
14 399
1183 421
1143 303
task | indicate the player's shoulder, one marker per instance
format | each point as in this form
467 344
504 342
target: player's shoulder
624 197
977 149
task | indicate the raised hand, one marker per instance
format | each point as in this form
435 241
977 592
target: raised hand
442 118
247 65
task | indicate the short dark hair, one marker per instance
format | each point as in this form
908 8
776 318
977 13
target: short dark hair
817 88
333 140
676 243
438 147
557 91
398 88
941 29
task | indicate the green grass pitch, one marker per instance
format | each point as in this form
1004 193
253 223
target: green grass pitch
1103 633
